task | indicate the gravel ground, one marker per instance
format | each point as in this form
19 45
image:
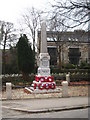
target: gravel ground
76 90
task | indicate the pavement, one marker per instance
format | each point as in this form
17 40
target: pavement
46 105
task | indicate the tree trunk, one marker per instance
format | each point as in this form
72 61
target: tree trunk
34 48
34 42
59 53
4 58
25 76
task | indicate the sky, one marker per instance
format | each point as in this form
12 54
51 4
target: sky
10 10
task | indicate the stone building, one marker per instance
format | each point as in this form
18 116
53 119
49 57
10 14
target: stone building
67 47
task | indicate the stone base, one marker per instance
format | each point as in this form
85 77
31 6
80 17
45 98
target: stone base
43 71
30 90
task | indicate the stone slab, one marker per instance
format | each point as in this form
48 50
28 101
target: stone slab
30 90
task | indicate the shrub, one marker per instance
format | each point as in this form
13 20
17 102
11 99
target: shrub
17 79
69 66
25 57
84 65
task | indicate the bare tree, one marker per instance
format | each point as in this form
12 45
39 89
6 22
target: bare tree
67 14
7 38
56 27
31 20
1 31
75 12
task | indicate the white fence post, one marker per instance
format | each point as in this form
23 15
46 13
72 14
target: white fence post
68 78
8 90
64 89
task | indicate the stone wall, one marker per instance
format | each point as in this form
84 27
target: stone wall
83 47
84 51
76 39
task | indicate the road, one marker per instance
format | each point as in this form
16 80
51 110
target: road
79 113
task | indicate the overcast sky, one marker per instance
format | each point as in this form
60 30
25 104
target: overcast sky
10 10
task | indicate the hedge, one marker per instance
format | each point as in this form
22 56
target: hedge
18 80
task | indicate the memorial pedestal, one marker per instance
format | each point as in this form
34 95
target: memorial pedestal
43 80
44 69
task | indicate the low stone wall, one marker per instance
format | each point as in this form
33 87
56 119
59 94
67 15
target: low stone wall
73 91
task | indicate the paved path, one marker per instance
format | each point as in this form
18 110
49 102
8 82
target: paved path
77 113
46 105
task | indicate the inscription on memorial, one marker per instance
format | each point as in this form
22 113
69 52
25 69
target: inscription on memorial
45 62
45 71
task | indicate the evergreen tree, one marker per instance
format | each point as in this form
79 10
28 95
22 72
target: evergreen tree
25 57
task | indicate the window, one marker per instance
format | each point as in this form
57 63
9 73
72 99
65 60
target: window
53 56
74 55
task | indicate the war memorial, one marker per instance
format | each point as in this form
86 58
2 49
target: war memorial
43 80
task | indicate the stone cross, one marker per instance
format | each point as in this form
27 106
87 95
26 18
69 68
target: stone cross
43 38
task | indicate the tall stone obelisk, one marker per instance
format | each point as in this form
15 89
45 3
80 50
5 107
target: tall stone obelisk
43 38
44 57
43 80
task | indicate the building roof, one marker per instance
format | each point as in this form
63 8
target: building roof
75 36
